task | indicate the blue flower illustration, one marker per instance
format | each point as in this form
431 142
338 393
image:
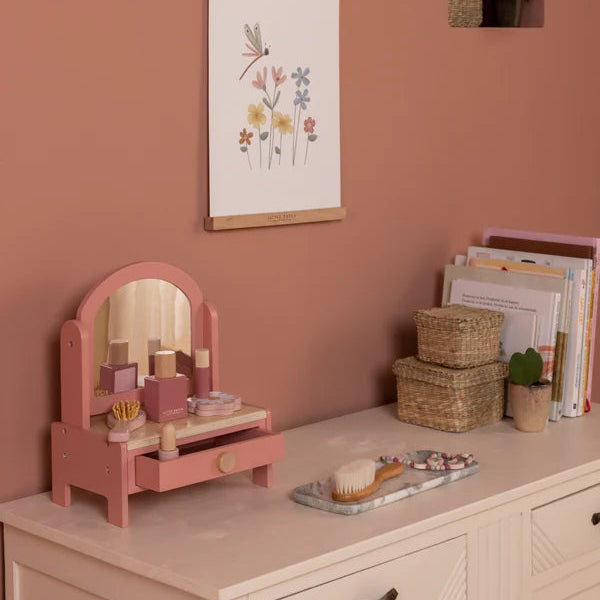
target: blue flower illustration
301 98
301 76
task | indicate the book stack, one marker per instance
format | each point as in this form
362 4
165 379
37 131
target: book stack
547 286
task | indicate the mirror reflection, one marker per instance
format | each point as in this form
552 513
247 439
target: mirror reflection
135 321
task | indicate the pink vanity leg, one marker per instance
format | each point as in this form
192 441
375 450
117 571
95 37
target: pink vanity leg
263 475
84 459
61 491
116 487
118 508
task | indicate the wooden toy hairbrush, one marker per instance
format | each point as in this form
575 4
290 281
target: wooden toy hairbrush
361 478
125 417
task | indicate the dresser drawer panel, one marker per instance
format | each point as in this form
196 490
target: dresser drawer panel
576 584
563 530
435 573
229 454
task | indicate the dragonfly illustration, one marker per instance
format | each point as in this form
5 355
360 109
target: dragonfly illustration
255 46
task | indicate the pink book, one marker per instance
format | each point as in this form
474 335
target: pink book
558 244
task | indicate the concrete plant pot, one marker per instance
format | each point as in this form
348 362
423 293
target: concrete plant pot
530 405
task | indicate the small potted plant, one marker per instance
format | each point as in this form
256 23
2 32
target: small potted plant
528 394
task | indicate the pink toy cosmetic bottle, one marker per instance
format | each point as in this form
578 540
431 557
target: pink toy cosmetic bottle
153 347
202 373
118 374
165 392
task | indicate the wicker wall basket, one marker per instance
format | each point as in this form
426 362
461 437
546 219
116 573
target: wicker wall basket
465 13
458 336
449 399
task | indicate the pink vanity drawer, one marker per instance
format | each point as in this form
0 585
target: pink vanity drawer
239 452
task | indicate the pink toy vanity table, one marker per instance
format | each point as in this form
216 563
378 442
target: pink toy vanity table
209 446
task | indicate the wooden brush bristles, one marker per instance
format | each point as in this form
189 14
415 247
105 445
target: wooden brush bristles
126 410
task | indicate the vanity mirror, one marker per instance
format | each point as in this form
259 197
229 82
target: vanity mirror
127 304
108 373
143 316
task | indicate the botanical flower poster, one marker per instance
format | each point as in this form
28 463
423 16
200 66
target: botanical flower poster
273 106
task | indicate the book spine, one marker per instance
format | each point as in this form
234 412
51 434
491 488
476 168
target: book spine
589 350
585 343
594 305
547 343
566 303
573 358
558 377
561 350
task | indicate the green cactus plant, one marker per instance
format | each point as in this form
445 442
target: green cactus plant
525 369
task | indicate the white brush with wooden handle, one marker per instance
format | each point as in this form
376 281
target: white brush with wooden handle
361 478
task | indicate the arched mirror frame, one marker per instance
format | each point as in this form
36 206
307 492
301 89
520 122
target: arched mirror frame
78 402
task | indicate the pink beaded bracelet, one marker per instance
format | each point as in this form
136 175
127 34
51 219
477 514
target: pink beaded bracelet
436 461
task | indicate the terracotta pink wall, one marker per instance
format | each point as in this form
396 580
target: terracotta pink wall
103 162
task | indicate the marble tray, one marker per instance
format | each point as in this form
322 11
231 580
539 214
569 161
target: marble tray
408 483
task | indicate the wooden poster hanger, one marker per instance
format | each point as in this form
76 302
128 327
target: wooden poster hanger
336 213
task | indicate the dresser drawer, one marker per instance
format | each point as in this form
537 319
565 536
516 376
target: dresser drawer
230 453
563 530
439 571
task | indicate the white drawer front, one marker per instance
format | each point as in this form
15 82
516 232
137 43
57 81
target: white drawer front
563 530
577 584
435 573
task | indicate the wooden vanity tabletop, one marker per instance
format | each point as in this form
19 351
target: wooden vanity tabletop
149 433
226 537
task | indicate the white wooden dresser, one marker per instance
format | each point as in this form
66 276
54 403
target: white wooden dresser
520 528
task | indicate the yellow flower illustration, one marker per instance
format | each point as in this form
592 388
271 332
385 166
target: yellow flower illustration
256 118
283 123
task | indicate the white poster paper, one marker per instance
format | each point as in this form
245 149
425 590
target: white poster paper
273 106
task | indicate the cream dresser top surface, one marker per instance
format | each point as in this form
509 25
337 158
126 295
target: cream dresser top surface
227 537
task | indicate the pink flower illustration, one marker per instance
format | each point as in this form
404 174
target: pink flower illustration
261 81
309 125
278 76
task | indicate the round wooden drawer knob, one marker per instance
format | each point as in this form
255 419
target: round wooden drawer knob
226 462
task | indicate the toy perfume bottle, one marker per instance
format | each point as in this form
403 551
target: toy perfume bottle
118 374
202 373
165 392
153 348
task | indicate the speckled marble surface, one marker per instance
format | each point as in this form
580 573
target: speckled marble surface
410 482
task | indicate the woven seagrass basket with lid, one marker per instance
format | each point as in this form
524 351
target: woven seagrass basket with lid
449 399
465 13
458 336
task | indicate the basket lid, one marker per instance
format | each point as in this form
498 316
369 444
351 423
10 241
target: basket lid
413 368
458 317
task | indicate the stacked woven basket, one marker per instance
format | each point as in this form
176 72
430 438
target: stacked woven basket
465 13
456 382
